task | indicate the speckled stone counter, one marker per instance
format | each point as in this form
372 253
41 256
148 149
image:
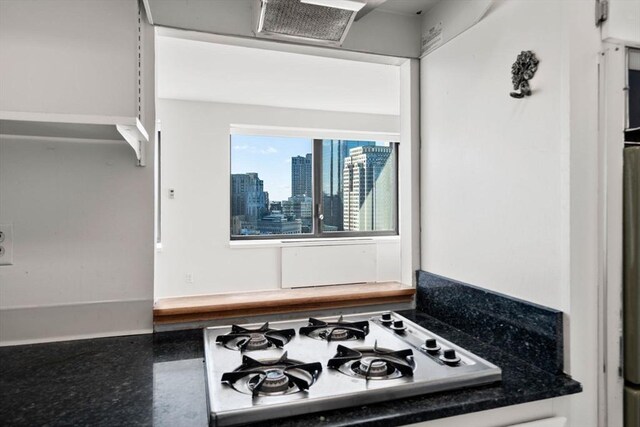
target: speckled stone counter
160 380
530 331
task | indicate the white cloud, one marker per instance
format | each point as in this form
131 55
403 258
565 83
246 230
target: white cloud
269 150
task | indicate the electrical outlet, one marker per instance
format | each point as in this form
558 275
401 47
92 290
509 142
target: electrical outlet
188 278
6 244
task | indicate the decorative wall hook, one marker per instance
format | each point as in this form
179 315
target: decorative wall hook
522 71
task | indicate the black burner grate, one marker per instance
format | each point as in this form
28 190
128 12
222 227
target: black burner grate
244 339
335 331
272 377
373 362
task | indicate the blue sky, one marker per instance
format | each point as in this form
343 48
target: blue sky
270 157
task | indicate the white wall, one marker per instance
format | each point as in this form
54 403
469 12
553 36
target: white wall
509 186
82 217
204 71
581 50
195 224
82 211
623 22
69 56
492 165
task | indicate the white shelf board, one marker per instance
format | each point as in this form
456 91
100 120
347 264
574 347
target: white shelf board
75 126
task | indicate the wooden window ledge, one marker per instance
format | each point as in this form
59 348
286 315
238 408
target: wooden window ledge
209 307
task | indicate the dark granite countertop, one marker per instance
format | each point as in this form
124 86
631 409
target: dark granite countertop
160 380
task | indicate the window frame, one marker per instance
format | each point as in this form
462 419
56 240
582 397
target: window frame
317 185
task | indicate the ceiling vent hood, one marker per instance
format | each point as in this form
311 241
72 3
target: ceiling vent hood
323 22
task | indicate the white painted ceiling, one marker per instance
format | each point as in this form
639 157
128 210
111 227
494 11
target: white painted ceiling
204 71
407 7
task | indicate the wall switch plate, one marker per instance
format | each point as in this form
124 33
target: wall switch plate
188 278
6 244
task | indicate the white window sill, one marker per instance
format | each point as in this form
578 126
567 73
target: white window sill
289 243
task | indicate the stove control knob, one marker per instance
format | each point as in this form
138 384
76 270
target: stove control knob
398 326
450 358
386 317
431 345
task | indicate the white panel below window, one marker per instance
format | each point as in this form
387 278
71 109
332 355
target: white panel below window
389 264
328 265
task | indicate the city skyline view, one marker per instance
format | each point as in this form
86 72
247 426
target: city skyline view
272 185
268 156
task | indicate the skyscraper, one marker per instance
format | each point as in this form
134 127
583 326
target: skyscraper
277 223
334 153
301 176
300 207
368 189
249 201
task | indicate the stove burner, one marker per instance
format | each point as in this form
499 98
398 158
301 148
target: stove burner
336 334
373 362
244 339
272 377
257 342
373 367
274 381
335 331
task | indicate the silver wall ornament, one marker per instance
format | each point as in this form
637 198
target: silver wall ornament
521 72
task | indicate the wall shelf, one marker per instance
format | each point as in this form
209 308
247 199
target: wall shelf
79 127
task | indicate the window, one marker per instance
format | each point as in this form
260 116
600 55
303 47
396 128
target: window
290 187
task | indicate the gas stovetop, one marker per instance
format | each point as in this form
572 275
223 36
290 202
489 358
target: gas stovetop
278 369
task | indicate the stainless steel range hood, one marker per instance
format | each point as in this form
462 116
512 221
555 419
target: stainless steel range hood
324 22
